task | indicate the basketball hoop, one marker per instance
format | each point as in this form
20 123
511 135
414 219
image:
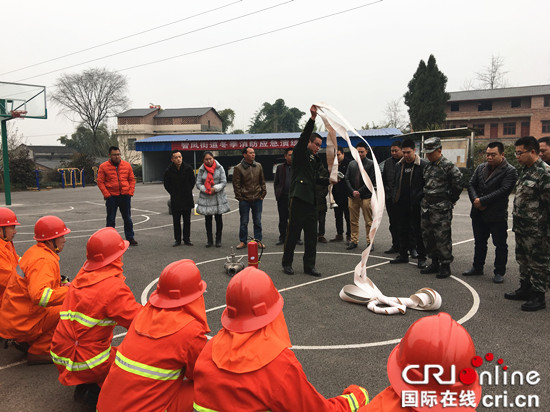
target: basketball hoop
18 113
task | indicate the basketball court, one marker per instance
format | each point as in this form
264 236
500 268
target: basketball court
337 342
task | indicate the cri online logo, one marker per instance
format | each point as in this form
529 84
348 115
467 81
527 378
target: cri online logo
467 375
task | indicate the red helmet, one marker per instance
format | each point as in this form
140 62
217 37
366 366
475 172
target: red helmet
252 301
179 283
434 340
7 217
50 227
104 247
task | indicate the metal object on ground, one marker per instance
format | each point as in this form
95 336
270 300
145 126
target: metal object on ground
233 265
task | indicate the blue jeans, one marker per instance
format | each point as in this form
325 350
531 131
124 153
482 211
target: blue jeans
244 209
122 202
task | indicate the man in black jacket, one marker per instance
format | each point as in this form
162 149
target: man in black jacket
389 167
359 195
408 190
340 195
179 181
489 188
306 165
281 184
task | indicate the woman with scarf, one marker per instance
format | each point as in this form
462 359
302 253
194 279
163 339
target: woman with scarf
211 183
248 365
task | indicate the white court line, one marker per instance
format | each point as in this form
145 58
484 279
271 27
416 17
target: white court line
13 364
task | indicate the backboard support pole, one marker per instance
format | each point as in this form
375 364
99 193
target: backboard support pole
6 162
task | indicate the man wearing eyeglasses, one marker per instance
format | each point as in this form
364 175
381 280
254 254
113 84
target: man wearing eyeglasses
306 167
531 224
489 189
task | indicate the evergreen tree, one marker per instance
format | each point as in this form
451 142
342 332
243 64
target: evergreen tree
276 118
427 97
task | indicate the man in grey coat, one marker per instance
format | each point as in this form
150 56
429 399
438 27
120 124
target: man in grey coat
489 189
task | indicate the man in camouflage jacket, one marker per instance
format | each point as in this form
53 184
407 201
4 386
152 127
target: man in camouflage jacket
531 220
442 189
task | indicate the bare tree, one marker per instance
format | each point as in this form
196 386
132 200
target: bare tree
93 95
394 115
493 76
15 138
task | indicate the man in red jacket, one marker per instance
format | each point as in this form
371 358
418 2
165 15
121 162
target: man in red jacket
153 369
98 299
248 365
33 297
116 181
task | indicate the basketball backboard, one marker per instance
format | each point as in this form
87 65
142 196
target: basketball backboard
22 100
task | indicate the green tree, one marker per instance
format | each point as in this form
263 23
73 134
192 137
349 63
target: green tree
22 174
83 141
276 118
228 116
94 95
426 97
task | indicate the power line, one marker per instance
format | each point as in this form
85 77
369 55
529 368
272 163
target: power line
160 41
252 37
122 38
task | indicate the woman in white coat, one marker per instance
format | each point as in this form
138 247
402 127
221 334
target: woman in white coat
211 183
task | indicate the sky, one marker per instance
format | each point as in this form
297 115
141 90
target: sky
354 55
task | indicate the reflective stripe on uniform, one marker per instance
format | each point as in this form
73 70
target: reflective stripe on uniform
353 402
80 366
84 319
198 408
46 295
147 371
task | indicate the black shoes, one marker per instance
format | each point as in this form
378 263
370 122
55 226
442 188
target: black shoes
400 259
391 250
351 246
218 243
473 272
498 278
133 242
536 302
522 293
313 272
280 242
87 394
188 243
322 239
337 238
288 270
413 254
422 263
176 243
431 268
209 244
444 271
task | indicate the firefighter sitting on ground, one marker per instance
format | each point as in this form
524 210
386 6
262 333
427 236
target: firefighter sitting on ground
33 297
248 365
98 299
431 340
161 347
8 256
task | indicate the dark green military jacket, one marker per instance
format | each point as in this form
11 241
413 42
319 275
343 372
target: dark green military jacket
442 185
305 168
532 201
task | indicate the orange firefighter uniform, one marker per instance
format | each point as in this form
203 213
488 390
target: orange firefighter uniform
248 365
158 352
32 300
97 301
154 365
8 263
